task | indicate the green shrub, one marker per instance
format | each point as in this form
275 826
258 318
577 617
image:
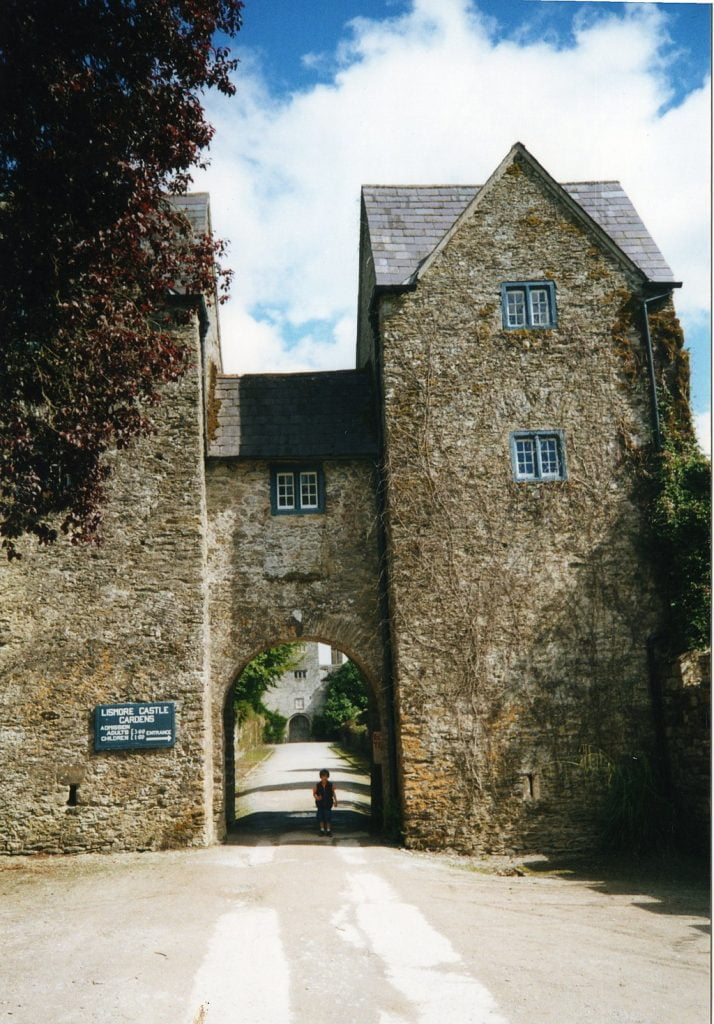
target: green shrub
345 701
638 815
274 728
681 529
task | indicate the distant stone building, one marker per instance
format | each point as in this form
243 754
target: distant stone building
461 515
299 694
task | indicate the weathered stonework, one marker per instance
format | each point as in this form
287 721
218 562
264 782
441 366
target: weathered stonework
280 579
125 621
687 722
501 625
520 611
299 694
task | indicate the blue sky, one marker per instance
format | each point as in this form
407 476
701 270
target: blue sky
284 31
336 93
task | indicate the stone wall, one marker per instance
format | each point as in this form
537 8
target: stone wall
122 622
520 611
281 579
687 709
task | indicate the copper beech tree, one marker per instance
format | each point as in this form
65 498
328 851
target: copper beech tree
101 119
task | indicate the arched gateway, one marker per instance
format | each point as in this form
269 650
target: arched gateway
298 729
461 515
294 529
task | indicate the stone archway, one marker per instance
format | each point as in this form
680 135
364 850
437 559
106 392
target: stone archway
381 737
276 579
298 729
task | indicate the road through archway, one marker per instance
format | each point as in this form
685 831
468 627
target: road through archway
275 798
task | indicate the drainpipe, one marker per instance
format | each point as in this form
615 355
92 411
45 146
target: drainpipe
651 367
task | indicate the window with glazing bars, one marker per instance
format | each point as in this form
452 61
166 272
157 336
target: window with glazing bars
528 304
538 455
296 490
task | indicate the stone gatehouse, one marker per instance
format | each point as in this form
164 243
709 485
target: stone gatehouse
460 515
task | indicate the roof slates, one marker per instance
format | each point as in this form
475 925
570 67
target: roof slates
295 416
407 223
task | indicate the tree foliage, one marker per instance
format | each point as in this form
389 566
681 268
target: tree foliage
681 524
680 507
100 120
345 700
261 675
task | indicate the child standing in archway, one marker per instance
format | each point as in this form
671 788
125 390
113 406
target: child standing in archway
325 796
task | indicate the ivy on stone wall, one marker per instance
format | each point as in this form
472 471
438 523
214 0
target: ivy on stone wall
680 509
345 701
681 530
260 675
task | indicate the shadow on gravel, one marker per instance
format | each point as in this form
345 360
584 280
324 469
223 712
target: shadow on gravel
283 827
359 788
676 885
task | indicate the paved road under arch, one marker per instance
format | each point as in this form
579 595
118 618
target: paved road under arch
279 926
276 797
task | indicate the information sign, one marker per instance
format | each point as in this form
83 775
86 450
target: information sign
132 725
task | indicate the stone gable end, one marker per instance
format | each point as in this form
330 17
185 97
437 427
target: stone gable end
522 609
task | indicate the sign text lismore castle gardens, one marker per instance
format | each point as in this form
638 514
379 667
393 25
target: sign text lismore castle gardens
130 725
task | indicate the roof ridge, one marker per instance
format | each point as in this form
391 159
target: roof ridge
586 181
289 373
407 224
434 184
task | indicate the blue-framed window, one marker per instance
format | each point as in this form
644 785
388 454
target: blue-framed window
297 490
538 455
527 304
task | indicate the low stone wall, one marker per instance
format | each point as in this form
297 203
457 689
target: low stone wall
687 707
249 735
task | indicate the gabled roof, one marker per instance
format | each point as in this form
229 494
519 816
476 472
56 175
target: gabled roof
295 416
408 222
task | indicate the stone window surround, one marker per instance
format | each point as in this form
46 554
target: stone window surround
296 481
541 448
530 313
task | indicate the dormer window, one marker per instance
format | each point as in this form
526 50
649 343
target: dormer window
527 304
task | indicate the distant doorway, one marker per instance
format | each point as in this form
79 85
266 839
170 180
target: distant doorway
299 729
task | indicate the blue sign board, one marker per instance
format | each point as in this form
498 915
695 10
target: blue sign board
143 726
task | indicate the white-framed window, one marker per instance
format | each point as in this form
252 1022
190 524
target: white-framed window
285 488
527 304
296 490
538 455
309 492
299 704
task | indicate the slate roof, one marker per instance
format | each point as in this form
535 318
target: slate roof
407 222
329 414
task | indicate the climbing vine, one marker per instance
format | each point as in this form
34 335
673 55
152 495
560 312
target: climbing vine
260 675
680 504
491 678
486 599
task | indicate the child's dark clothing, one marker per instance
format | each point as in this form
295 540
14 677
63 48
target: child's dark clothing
326 794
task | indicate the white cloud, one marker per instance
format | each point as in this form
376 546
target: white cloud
434 96
703 429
